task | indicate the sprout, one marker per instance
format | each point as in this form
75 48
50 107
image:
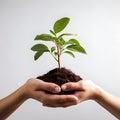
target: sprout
61 45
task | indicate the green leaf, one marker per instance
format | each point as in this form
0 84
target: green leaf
52 32
53 49
55 53
65 34
44 37
61 41
70 53
38 54
73 42
76 48
40 47
60 24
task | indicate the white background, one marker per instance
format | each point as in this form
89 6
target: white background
97 23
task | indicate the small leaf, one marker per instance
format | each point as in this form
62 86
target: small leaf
76 48
44 37
53 49
65 34
73 42
60 24
70 53
52 32
61 41
40 47
38 54
55 53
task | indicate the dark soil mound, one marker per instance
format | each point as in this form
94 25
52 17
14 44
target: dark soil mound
60 76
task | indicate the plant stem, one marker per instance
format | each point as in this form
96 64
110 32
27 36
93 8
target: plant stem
58 50
59 61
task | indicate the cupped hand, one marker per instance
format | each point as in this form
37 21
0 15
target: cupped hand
38 90
84 89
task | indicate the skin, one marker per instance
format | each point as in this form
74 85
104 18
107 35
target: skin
86 90
35 89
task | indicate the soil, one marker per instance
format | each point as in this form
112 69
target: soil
59 77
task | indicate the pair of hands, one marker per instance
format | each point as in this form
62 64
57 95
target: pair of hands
36 89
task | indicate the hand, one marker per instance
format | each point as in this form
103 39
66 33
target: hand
36 89
84 89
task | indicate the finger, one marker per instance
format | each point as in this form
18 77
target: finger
71 100
60 100
65 104
73 86
50 87
54 99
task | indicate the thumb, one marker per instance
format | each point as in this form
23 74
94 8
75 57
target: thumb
72 86
50 87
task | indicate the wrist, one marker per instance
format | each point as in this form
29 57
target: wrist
23 93
98 93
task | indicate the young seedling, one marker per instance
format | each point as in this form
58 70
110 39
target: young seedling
61 45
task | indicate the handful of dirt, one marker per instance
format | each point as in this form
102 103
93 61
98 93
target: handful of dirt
60 77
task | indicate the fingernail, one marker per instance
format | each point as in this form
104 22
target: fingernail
64 87
57 89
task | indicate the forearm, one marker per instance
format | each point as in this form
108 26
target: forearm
109 102
9 104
